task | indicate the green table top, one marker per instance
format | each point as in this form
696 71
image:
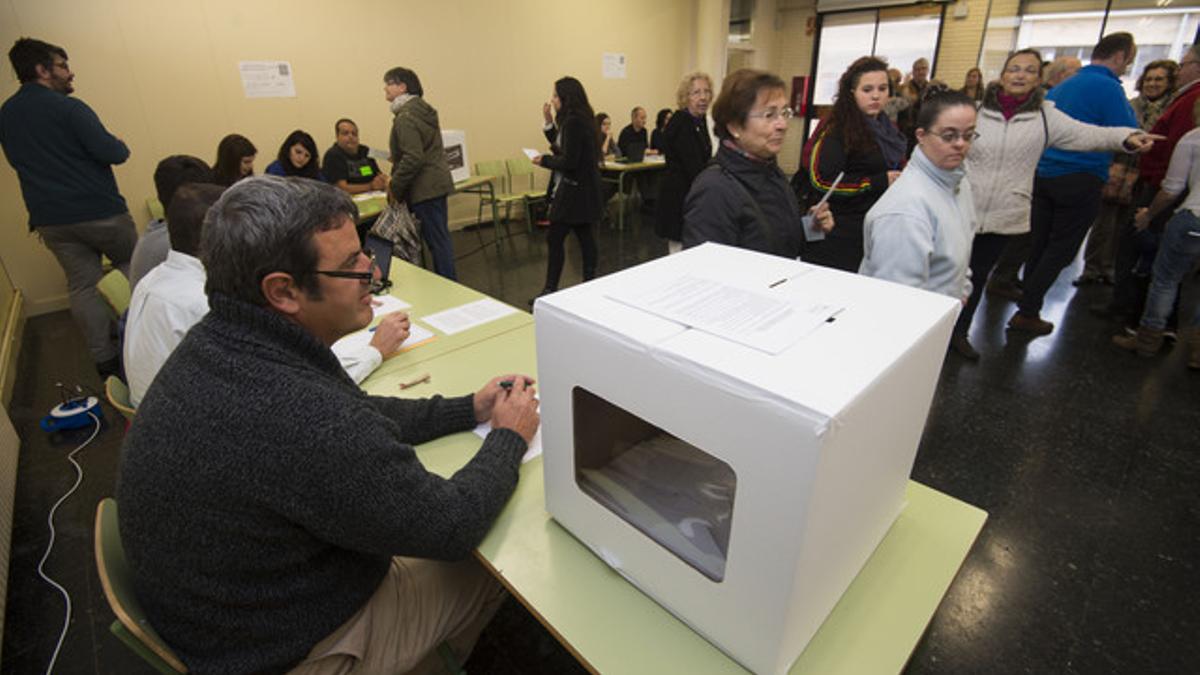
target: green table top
633 166
610 626
373 203
429 293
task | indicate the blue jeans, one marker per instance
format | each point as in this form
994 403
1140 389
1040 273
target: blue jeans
1177 253
434 230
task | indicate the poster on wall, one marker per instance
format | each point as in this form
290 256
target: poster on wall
454 142
613 66
267 79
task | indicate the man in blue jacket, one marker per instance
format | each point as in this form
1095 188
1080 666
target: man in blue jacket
63 156
1066 192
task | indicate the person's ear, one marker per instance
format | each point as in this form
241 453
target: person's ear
735 130
282 292
921 134
43 73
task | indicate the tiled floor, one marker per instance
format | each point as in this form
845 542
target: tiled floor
1087 460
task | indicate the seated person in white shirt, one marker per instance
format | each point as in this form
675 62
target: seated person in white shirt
152 246
170 300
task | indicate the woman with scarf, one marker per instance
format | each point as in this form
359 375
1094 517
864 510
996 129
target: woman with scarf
1156 90
861 144
1015 126
743 198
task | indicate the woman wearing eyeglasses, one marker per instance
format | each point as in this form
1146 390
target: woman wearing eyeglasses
1015 126
743 198
919 233
860 143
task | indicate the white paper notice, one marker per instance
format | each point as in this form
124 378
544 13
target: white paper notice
356 341
613 66
736 314
267 79
470 315
535 446
386 304
368 196
530 153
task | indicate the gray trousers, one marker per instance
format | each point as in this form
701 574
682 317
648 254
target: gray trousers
78 247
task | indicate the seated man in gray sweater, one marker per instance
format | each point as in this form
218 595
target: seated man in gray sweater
274 515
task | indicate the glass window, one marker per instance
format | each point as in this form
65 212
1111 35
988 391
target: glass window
671 491
844 38
899 36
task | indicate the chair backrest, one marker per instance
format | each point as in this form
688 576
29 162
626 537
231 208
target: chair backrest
117 581
494 168
117 393
520 167
114 286
155 208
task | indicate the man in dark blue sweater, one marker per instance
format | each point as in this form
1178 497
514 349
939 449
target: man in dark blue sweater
274 515
63 156
1066 192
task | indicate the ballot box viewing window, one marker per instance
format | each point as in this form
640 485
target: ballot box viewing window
670 490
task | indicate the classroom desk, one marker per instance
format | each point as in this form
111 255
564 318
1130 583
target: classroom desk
429 293
372 203
615 173
611 627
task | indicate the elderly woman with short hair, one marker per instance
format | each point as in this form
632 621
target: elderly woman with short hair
687 147
744 199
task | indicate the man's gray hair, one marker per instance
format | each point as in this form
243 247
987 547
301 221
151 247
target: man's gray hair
266 224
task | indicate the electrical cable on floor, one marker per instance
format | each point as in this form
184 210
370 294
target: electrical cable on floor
49 547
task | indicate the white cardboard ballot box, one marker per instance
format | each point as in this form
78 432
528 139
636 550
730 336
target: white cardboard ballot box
740 486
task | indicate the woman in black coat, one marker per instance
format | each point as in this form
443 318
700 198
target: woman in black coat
575 161
687 148
744 199
860 142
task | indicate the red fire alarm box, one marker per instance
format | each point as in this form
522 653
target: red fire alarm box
800 95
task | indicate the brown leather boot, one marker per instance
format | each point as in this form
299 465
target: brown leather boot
1147 342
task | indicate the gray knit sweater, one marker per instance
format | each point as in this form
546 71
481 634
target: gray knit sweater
262 494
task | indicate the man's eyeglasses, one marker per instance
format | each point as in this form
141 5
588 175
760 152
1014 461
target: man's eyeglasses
369 276
952 135
772 114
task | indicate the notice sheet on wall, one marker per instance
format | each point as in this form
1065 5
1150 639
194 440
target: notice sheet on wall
613 66
267 79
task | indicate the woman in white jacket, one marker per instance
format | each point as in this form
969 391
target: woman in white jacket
919 232
1015 126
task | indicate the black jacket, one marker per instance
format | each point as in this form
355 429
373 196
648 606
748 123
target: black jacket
717 210
864 182
687 147
576 158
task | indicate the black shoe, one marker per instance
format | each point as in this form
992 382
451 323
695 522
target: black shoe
962 346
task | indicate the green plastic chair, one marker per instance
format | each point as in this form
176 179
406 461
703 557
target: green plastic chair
131 625
496 169
155 208
114 286
522 182
117 393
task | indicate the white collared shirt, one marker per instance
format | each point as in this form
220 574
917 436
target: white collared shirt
167 302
